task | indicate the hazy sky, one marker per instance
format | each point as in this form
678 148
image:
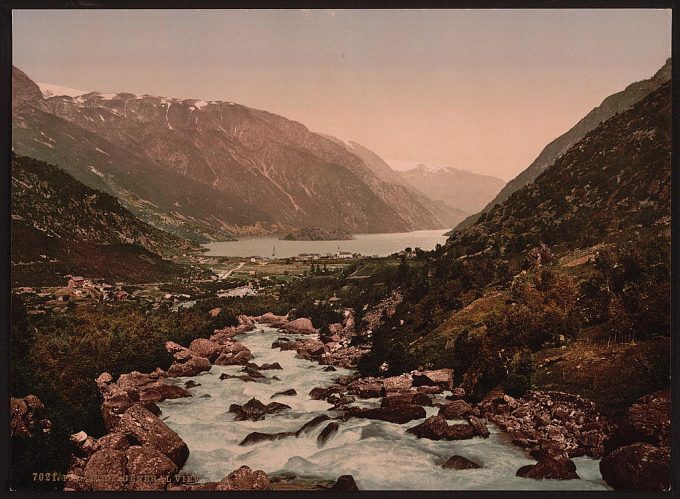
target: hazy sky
482 90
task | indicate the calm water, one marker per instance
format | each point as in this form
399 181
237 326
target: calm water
366 244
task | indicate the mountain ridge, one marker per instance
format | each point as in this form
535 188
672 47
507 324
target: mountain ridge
611 105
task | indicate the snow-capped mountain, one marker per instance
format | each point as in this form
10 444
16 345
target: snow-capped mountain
460 189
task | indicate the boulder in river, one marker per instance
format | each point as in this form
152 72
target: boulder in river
302 325
256 437
455 410
439 377
409 398
460 463
192 367
287 393
245 478
206 348
366 387
479 426
329 369
310 425
648 420
550 468
397 384
345 483
231 359
145 428
399 414
268 367
436 428
639 466
254 410
326 433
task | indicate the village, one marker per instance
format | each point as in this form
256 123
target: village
223 277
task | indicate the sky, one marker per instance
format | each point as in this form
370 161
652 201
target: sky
481 90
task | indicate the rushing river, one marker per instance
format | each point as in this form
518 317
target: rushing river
366 244
379 455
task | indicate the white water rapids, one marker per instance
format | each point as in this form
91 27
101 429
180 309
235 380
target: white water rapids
379 455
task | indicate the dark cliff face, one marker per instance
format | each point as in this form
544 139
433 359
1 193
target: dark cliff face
60 227
615 103
221 165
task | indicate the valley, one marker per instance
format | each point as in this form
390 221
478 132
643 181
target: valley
163 328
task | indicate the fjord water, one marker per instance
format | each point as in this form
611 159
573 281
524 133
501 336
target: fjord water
379 455
366 244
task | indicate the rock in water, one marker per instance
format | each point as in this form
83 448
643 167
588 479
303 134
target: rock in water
140 424
460 463
398 414
312 424
327 433
639 466
345 483
455 410
549 468
288 393
245 478
256 437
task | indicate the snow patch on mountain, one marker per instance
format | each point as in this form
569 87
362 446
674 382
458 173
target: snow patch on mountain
50 90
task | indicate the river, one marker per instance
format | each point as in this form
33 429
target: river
366 244
379 455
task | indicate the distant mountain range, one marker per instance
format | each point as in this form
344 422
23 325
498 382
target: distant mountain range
615 103
211 170
465 190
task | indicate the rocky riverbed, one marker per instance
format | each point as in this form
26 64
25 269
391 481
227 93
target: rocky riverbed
270 404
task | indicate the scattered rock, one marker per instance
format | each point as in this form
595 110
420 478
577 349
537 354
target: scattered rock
406 399
192 367
329 369
460 463
308 426
327 433
206 348
345 483
191 384
140 424
254 410
399 414
479 427
267 367
455 410
256 437
288 393
302 326
105 470
639 466
245 478
549 468
440 377
149 469
436 428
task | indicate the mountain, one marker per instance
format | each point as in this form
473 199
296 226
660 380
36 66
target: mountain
447 214
61 226
575 265
615 103
209 169
465 190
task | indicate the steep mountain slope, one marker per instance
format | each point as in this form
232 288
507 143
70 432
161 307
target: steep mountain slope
220 164
467 191
447 214
579 259
612 105
58 220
